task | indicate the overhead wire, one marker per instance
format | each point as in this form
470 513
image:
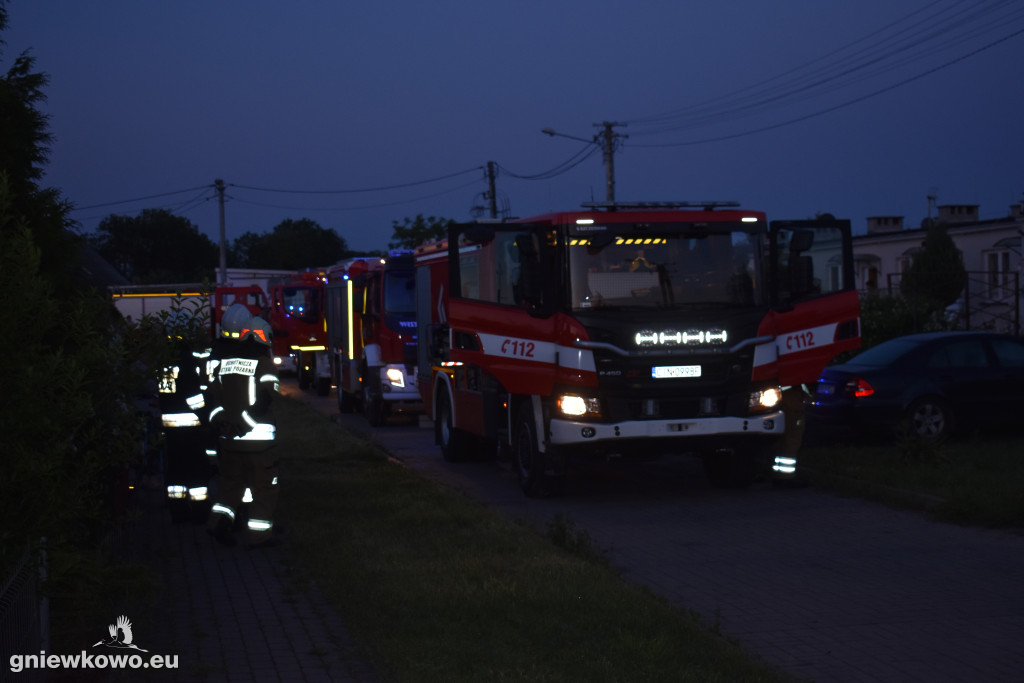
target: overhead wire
355 208
881 54
360 190
575 160
141 199
838 106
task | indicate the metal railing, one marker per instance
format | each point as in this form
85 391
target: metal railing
989 301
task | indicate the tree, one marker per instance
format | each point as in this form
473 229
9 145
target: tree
24 145
67 413
936 276
292 245
412 233
156 247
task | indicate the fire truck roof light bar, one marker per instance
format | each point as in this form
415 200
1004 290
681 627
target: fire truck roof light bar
618 206
753 341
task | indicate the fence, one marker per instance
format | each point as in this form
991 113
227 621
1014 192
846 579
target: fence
22 622
990 301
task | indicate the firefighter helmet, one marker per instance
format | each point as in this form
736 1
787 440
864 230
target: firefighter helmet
258 329
235 319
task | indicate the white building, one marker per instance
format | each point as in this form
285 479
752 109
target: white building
991 252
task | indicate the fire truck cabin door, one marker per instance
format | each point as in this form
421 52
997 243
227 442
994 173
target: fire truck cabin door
816 308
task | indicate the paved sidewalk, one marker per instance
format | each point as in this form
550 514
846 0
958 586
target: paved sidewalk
234 614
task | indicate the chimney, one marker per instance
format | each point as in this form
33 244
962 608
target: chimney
881 224
958 213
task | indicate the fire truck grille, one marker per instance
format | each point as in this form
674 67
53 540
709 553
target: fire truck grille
674 408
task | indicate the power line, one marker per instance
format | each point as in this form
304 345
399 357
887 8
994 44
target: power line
141 199
880 55
366 189
575 160
841 105
353 208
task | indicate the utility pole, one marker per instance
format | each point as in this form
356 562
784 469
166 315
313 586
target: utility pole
609 137
219 184
491 193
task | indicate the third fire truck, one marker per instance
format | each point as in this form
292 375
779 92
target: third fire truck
296 320
629 330
370 321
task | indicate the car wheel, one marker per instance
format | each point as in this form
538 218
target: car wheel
928 418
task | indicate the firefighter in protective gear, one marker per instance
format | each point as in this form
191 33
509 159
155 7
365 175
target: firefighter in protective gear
187 470
234 320
241 394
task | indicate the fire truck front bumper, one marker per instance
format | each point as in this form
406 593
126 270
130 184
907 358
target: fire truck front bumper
641 432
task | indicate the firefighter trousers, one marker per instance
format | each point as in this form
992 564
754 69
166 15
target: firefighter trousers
246 478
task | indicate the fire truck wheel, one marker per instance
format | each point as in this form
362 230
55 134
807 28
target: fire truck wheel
374 409
346 402
453 441
731 468
530 463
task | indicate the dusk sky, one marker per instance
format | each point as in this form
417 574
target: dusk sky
358 114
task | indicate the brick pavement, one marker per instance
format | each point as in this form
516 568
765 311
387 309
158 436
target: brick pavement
234 614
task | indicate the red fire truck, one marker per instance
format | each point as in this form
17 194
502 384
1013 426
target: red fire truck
296 319
250 296
630 330
371 334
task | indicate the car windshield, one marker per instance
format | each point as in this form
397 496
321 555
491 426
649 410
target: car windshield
884 354
659 271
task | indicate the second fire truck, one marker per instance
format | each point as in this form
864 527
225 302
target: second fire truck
628 330
370 323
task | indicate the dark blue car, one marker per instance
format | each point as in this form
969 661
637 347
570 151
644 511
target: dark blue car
929 385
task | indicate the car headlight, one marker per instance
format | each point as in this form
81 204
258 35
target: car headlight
765 399
573 405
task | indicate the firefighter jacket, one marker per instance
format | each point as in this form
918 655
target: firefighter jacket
240 395
182 403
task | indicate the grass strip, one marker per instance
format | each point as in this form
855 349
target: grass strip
439 588
975 481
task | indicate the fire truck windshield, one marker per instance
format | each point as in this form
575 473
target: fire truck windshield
300 302
399 292
664 270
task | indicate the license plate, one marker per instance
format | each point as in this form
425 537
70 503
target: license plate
825 389
675 371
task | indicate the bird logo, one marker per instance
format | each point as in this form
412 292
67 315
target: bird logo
120 635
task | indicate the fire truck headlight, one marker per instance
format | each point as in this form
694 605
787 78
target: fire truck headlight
572 405
396 377
766 398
